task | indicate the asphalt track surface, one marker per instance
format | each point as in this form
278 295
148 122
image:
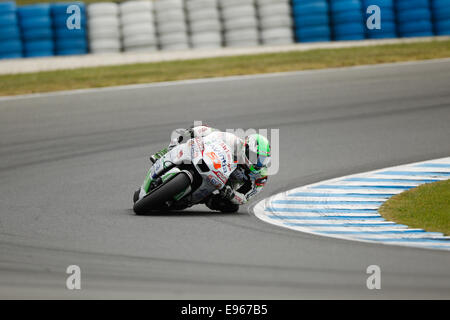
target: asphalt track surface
69 164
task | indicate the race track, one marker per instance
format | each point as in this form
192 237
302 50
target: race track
69 164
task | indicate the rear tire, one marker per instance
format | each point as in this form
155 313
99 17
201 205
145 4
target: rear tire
158 197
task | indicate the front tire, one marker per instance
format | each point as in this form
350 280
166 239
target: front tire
136 195
157 198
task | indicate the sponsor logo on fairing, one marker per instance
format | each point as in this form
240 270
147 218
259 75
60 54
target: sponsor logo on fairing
215 159
224 162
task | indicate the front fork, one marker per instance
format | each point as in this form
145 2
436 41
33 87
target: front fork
164 168
155 171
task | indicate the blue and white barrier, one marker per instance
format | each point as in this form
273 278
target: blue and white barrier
148 25
347 207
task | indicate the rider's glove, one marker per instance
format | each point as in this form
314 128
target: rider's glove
227 193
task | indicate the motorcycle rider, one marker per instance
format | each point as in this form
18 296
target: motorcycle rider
252 156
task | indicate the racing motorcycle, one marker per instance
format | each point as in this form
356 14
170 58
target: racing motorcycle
186 175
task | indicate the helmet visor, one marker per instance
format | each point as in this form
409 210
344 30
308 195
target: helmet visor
257 160
263 161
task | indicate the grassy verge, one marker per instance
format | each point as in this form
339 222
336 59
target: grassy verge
426 207
215 67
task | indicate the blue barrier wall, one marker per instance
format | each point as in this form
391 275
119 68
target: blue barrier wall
68 41
441 16
10 40
36 30
414 18
311 20
387 13
42 29
347 20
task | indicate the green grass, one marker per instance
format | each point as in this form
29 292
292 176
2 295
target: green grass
426 207
216 67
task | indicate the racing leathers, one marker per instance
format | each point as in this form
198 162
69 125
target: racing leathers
242 185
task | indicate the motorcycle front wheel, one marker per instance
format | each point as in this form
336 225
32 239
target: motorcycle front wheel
157 198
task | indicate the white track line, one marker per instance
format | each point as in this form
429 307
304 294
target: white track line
347 207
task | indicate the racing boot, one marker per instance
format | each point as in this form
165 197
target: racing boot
217 203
